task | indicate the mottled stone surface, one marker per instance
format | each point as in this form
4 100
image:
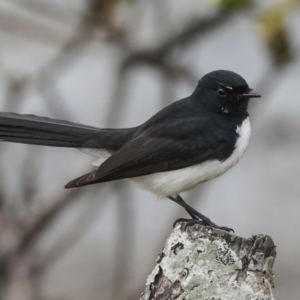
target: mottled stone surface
199 262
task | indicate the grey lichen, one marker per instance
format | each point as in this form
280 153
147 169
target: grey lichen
225 255
204 263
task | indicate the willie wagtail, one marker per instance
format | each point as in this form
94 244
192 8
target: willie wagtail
188 142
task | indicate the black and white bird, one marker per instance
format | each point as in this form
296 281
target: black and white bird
186 143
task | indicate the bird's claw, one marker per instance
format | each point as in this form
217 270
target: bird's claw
191 222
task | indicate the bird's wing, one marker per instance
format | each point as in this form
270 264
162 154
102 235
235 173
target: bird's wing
146 155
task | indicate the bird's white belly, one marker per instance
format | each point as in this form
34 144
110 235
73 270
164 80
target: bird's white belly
172 183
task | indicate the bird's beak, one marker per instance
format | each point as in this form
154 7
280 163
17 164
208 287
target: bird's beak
250 94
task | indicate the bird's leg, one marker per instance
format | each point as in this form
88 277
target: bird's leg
197 217
191 211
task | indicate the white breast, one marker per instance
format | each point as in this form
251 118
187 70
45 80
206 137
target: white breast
172 183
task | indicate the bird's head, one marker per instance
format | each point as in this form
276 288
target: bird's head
224 92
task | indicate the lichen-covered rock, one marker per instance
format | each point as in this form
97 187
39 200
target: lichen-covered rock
210 264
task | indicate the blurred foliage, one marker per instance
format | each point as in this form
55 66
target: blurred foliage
274 30
103 11
231 4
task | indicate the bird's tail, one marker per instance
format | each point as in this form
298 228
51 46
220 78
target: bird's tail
30 129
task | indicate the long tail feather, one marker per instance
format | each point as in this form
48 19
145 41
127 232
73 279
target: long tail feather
30 129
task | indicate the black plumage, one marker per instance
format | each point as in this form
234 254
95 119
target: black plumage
200 128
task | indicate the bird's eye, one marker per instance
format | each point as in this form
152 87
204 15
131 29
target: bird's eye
222 92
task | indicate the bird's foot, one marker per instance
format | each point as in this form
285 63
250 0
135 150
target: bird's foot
197 217
207 222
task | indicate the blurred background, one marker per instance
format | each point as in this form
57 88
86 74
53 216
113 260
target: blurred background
114 63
